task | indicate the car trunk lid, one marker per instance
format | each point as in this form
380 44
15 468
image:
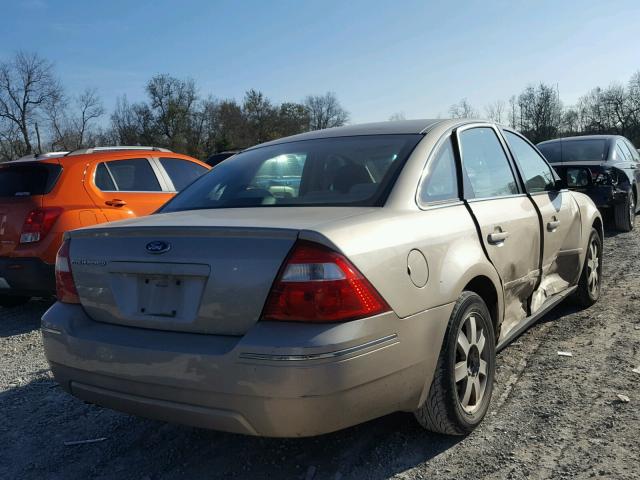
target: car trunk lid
202 272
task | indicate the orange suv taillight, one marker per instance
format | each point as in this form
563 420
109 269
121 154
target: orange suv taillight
65 286
317 285
39 223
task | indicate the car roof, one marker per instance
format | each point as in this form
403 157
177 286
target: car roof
582 137
379 128
62 158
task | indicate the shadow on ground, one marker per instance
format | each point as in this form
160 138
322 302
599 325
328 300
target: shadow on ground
22 319
140 448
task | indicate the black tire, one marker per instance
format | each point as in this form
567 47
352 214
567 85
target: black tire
624 213
443 410
586 295
10 301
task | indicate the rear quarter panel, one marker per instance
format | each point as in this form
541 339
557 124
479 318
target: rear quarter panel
379 245
590 217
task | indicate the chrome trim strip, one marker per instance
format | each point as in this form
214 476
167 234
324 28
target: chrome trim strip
318 356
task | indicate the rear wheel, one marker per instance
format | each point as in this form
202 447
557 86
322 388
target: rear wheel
463 381
9 301
625 213
588 291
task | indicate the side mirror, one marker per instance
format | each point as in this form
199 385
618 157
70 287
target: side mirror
561 184
578 177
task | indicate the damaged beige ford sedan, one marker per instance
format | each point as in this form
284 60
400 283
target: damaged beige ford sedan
318 281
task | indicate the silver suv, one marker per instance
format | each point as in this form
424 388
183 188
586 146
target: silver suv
385 276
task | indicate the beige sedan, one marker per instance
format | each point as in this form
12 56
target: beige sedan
385 276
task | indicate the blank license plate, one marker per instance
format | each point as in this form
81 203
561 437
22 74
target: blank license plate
160 296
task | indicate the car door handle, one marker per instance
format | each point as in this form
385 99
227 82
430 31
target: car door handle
497 238
115 203
553 225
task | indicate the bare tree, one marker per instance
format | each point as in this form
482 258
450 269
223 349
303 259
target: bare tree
462 109
172 102
90 108
496 111
397 116
540 112
27 84
325 111
72 123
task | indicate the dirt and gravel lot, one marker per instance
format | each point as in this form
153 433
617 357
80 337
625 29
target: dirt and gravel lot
551 416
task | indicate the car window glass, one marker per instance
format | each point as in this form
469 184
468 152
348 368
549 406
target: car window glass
280 175
634 151
536 173
24 180
630 151
354 170
135 175
623 156
552 151
486 164
440 182
182 172
591 150
103 179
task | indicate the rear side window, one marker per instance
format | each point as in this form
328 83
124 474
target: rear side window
135 175
182 172
27 180
536 173
633 150
440 182
485 164
622 153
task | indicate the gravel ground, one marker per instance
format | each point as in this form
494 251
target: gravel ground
551 416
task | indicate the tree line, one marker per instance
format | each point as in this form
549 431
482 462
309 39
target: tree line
38 115
539 113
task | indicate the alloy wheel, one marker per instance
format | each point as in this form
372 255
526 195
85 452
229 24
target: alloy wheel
593 268
471 364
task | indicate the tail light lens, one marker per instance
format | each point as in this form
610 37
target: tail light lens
319 285
39 223
65 286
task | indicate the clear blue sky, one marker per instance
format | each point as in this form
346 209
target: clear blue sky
417 57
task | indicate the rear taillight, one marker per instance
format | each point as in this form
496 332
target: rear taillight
65 286
319 285
39 223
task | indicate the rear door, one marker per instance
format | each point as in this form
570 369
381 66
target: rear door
507 220
22 187
561 230
125 188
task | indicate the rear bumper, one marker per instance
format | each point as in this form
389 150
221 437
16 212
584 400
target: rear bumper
28 276
606 196
279 380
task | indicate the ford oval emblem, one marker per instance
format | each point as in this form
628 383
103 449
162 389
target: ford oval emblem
158 247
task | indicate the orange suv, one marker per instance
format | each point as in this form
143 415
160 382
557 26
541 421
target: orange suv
44 196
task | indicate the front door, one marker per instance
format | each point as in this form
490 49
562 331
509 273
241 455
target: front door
506 218
560 221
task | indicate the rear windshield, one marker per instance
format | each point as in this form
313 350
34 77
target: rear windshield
28 180
329 171
575 151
